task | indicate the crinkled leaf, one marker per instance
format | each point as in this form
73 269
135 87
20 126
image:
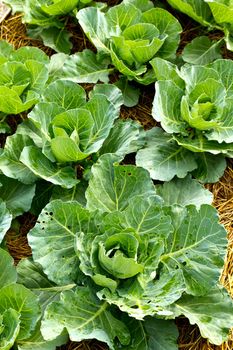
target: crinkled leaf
111 186
163 157
84 317
186 247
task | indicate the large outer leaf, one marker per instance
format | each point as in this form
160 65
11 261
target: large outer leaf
111 186
196 9
33 159
37 342
123 16
163 157
213 313
165 70
30 274
196 232
56 38
60 7
224 130
167 25
95 26
22 300
166 106
13 104
10 164
66 94
210 167
58 224
125 137
25 53
10 320
39 75
84 67
152 334
5 219
184 192
17 196
103 113
202 50
8 272
84 317
222 12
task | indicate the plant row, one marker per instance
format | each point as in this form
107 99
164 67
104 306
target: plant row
114 256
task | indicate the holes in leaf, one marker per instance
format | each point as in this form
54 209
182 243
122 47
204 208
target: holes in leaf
51 213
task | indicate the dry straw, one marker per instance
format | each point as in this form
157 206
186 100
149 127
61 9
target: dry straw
12 30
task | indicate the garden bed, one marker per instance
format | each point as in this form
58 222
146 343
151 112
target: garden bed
14 32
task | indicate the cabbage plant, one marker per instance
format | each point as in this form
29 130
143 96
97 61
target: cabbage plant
23 75
65 130
132 33
134 249
19 307
47 19
194 106
216 14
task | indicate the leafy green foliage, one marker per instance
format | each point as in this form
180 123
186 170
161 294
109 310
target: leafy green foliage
47 20
202 51
66 129
23 74
19 308
194 106
134 247
131 34
212 13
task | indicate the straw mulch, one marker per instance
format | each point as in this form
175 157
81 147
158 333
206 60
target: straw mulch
14 32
